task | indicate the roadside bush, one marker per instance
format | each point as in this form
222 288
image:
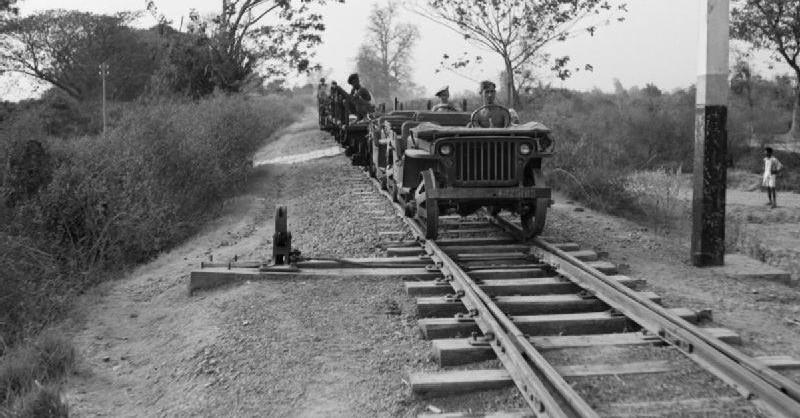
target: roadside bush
656 193
30 281
114 201
42 401
29 375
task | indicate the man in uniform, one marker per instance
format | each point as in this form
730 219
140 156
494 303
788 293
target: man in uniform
492 115
444 104
360 98
322 100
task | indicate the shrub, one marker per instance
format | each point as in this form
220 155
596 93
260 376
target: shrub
42 401
30 373
114 201
30 282
656 193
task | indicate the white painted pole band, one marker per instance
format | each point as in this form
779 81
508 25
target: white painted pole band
712 68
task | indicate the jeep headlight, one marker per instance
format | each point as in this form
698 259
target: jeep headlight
525 149
446 149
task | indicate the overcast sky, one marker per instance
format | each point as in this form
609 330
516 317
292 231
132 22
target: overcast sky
656 44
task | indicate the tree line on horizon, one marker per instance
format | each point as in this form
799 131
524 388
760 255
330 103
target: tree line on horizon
248 42
519 32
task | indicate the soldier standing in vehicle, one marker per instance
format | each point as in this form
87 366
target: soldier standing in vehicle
360 98
491 115
444 104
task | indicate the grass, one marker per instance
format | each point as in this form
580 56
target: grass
656 194
76 210
30 375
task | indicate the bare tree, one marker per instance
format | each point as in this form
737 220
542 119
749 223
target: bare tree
516 30
8 7
383 59
773 25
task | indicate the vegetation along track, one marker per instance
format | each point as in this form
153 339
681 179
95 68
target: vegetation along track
534 305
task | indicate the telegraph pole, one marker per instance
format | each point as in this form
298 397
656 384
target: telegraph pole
711 136
104 74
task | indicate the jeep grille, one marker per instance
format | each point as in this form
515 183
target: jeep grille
482 161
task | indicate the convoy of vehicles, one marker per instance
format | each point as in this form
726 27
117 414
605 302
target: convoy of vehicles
435 163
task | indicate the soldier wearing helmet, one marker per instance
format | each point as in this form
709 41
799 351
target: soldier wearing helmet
444 104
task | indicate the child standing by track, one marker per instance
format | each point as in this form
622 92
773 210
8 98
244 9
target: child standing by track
771 168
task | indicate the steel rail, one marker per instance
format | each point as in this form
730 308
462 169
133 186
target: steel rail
509 344
768 390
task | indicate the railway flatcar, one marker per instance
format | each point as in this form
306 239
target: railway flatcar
463 168
336 116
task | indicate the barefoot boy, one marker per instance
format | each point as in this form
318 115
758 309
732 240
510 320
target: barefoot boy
771 167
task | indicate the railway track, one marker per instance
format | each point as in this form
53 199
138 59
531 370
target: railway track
522 306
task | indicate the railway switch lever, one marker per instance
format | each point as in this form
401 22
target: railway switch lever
281 239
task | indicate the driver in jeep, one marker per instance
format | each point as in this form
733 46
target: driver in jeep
490 115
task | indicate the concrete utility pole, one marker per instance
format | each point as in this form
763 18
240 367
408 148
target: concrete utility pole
711 136
104 74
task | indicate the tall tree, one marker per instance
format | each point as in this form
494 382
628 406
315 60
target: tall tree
65 49
383 60
516 30
773 25
272 36
8 7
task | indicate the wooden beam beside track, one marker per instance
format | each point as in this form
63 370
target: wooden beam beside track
215 277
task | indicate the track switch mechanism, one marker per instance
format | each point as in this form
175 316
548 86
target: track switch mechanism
282 239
